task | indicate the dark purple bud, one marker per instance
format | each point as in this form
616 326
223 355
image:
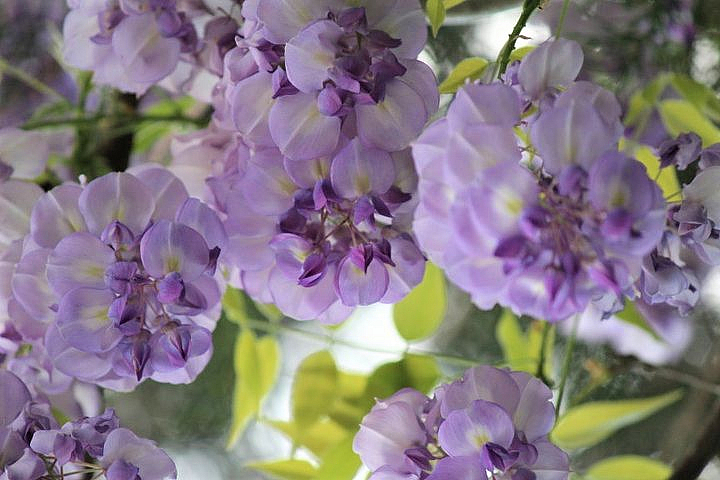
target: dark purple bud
693 221
395 196
710 157
318 196
313 270
383 251
305 199
127 314
168 22
421 457
352 19
511 247
91 432
380 39
523 474
293 221
136 353
533 220
681 151
178 341
171 288
495 456
380 206
6 171
117 235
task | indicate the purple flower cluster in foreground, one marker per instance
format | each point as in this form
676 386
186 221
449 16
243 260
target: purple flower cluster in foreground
129 44
491 423
313 177
33 446
115 281
526 201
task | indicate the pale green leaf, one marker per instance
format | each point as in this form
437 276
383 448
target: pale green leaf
420 313
340 463
319 437
256 368
681 116
631 315
420 372
519 53
703 97
315 388
590 423
286 469
667 179
452 3
522 350
468 69
435 10
628 467
234 306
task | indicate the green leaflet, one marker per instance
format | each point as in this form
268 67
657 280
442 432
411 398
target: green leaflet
590 423
420 313
314 388
417 371
468 69
628 467
435 10
340 462
256 368
522 349
287 469
681 116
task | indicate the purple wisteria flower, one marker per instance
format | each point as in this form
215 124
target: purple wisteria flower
129 44
318 238
34 446
117 279
492 423
307 74
545 227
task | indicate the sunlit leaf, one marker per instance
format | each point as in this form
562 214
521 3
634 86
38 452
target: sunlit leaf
468 69
319 437
234 306
667 180
256 368
420 313
435 10
628 467
416 371
340 463
681 116
287 469
522 350
703 97
519 53
452 3
590 423
314 388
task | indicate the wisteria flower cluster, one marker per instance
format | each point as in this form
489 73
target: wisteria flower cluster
35 447
539 209
116 281
491 423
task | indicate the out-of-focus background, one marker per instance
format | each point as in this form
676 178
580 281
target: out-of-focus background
627 45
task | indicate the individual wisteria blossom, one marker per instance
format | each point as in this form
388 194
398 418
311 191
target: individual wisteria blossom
318 238
129 44
546 222
491 423
117 278
24 154
35 447
306 74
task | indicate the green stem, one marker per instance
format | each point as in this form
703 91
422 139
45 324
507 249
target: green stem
540 372
503 59
127 119
28 80
561 20
566 363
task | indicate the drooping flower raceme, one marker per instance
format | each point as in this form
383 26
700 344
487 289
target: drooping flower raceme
537 211
118 279
128 44
306 74
318 238
34 446
492 423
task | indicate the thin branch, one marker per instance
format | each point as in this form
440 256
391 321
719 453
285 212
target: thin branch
503 59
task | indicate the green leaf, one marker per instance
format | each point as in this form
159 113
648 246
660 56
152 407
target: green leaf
590 423
680 116
628 467
319 438
522 350
667 179
468 69
519 53
287 469
631 315
435 10
452 3
256 368
234 306
340 463
416 371
314 388
703 97
420 313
